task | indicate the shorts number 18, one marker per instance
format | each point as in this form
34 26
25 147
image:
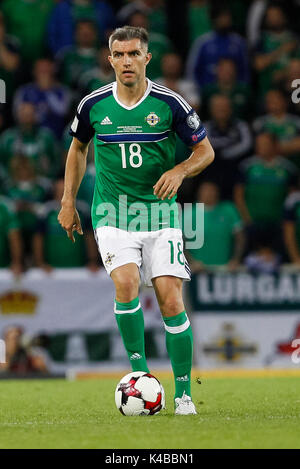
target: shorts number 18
180 258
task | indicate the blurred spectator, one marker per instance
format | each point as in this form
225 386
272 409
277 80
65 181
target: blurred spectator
52 247
67 12
11 251
51 99
4 179
223 234
291 227
278 45
239 11
257 13
265 180
171 66
28 192
98 76
27 21
27 139
263 260
19 358
153 9
86 189
159 45
75 60
231 140
66 143
210 48
239 93
9 59
285 126
3 117
199 21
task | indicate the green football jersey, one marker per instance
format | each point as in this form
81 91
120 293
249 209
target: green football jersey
58 250
134 146
38 144
266 186
221 222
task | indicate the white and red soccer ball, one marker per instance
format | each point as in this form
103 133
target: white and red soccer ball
139 393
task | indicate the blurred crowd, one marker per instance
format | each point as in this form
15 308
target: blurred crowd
238 68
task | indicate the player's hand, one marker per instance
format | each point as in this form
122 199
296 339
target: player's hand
169 183
69 219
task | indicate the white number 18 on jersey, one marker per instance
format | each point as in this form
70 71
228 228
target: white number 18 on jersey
135 157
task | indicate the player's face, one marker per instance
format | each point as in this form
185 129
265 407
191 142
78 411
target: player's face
129 60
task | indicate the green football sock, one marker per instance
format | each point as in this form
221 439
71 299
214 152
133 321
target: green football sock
130 320
179 341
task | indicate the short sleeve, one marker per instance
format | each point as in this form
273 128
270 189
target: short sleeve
81 127
187 125
185 120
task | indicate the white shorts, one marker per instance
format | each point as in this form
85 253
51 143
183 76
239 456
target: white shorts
156 253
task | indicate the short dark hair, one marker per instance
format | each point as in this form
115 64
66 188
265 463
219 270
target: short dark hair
126 33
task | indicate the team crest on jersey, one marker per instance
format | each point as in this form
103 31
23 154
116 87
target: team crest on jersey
193 121
152 119
109 258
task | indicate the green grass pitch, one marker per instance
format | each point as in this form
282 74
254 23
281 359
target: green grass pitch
234 412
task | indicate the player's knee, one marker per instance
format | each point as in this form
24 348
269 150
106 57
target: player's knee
171 305
126 288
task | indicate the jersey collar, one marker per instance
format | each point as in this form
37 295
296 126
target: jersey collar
114 90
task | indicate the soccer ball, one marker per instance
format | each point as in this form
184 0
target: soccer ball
139 393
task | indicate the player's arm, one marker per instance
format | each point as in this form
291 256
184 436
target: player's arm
75 168
169 183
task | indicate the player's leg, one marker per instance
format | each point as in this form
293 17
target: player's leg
179 338
129 314
121 255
